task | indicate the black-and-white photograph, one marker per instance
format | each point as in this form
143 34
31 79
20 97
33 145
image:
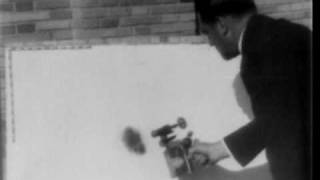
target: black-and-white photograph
156 89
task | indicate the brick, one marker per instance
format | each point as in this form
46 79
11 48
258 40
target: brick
168 1
296 6
23 16
140 20
26 28
21 0
187 17
263 2
6 7
53 24
119 11
52 4
84 3
101 12
164 39
3 112
144 30
139 10
2 80
177 17
187 39
163 9
174 27
188 32
292 15
130 40
85 23
284 7
185 28
185 7
131 2
2 87
109 2
2 64
87 34
24 6
9 29
167 18
61 14
2 53
95 41
128 31
112 40
62 34
145 2
2 77
172 8
109 22
27 37
177 34
89 12
100 33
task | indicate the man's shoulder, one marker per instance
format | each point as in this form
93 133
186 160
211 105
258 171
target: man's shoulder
277 22
266 32
281 26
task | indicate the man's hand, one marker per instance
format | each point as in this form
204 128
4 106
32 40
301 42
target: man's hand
204 153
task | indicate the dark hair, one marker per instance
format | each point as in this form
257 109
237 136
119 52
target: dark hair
209 10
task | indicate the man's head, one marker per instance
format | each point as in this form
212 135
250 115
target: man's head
223 21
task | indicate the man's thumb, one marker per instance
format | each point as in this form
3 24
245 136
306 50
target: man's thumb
194 146
195 142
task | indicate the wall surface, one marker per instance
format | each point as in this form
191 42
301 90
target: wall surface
38 20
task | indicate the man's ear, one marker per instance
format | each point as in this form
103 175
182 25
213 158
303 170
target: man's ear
222 27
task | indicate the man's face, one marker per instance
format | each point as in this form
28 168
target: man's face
223 43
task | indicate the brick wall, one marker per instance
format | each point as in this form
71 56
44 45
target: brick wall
38 20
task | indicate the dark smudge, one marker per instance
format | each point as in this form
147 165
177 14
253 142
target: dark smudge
133 141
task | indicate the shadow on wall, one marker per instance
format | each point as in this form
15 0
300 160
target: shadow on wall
242 96
219 173
261 172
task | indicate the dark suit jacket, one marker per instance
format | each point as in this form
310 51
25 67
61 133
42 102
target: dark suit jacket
276 73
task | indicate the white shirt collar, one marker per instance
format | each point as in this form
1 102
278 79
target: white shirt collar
240 43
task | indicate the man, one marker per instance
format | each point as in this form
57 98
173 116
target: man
275 69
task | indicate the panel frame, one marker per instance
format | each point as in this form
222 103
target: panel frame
6 50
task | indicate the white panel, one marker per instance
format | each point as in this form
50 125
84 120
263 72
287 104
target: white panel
71 107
